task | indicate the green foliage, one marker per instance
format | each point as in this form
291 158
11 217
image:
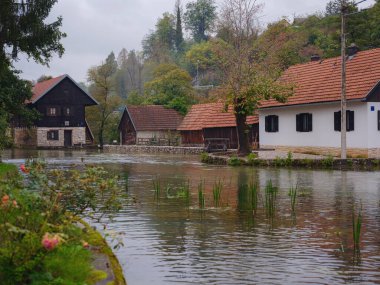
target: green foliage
199 18
216 192
171 87
134 98
356 228
251 158
328 162
43 210
270 199
7 170
293 197
234 161
248 197
205 157
201 195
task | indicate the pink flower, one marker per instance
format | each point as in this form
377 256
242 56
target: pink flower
49 241
24 169
5 199
85 244
14 203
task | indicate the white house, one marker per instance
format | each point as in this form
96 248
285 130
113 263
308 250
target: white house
309 121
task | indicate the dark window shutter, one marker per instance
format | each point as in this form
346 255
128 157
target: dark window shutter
351 120
378 120
337 121
309 122
275 118
298 122
267 122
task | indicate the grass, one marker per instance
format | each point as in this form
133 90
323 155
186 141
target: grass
184 192
7 169
248 196
356 228
293 198
201 195
216 192
270 199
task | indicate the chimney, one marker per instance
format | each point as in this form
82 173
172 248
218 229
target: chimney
352 49
315 57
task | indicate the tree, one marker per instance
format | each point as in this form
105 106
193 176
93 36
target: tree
334 7
24 28
178 28
171 87
247 82
43 78
199 18
102 89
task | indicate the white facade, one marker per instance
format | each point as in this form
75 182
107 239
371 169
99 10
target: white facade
365 135
78 137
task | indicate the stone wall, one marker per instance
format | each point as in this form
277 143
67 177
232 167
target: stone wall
351 152
24 137
78 137
152 149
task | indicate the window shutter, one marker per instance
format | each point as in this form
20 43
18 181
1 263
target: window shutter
275 118
337 121
267 119
309 122
351 120
378 120
298 123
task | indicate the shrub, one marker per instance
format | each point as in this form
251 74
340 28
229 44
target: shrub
234 161
205 157
328 162
251 158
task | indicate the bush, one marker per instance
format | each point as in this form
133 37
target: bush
40 242
251 158
328 162
234 161
205 157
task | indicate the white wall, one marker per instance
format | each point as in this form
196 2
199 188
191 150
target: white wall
323 134
78 136
373 132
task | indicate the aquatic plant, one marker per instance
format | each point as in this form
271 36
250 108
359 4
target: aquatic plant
157 188
184 192
205 157
356 227
270 199
328 162
289 159
293 197
248 196
217 191
253 189
201 195
126 180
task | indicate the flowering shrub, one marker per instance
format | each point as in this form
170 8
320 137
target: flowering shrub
40 242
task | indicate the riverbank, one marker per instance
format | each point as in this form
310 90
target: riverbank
123 149
280 160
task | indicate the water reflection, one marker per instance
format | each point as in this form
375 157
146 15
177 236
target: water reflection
168 243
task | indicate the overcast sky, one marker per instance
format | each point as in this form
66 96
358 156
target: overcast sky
94 28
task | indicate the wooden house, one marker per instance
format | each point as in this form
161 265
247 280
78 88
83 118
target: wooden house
310 121
61 104
149 124
211 122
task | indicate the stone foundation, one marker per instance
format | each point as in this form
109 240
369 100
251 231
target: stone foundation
24 137
351 152
152 149
78 137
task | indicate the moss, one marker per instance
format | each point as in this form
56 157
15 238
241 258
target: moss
95 239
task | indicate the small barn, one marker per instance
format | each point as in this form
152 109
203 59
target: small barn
211 122
61 103
149 124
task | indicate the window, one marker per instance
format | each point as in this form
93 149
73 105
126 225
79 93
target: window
271 124
304 122
53 135
350 121
378 120
67 111
67 123
51 111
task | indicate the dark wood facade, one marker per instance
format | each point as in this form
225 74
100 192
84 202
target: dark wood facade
63 106
127 130
193 138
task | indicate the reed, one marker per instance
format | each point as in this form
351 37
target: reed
217 191
253 189
126 181
157 188
184 192
293 197
270 199
356 227
201 195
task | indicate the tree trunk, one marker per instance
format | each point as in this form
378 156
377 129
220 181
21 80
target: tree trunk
101 141
244 147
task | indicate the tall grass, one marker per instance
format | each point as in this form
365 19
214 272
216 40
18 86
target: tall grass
216 192
248 197
201 195
270 199
157 188
293 198
184 192
356 228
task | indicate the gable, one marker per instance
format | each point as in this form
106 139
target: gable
374 96
64 92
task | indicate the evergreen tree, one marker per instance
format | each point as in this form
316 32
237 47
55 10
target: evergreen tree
178 29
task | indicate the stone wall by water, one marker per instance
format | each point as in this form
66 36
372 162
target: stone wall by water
152 149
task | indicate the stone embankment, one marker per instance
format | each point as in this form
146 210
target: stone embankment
152 149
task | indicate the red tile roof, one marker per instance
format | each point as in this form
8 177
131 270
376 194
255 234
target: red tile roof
154 118
211 115
41 88
321 81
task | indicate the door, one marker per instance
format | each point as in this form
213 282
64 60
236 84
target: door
68 142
